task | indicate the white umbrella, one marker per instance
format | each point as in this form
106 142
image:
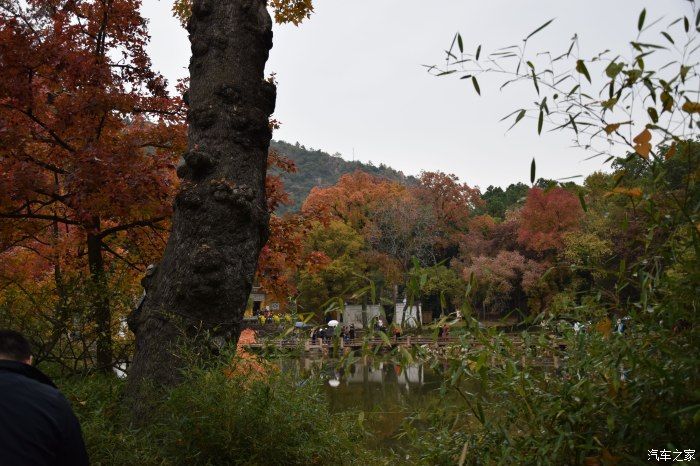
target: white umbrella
333 323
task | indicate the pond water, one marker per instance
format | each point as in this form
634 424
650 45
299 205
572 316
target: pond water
384 392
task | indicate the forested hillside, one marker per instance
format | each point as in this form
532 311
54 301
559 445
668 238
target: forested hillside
318 168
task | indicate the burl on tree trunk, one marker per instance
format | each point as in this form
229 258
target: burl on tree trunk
220 219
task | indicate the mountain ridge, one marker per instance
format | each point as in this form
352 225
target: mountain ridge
316 168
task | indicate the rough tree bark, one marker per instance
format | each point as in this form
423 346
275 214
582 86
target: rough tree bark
220 219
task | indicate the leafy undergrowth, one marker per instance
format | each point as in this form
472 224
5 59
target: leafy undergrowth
605 398
219 416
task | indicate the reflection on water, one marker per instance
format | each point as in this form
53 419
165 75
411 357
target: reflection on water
386 392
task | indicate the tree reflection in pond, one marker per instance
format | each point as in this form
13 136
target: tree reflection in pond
385 392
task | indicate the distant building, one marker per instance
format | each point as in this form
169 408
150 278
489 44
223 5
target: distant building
259 300
353 314
411 315
257 295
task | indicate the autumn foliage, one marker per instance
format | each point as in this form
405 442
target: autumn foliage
89 138
546 217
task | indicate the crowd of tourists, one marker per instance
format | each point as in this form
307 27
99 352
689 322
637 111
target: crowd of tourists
326 334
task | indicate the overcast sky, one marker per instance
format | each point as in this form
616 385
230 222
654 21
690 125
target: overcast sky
351 78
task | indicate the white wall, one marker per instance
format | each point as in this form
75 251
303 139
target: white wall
353 314
412 315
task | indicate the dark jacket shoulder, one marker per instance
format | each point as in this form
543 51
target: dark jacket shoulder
37 424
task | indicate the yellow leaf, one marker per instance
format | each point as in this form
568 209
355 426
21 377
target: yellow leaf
666 101
671 151
691 107
609 458
611 128
643 150
644 136
632 192
642 145
604 327
609 104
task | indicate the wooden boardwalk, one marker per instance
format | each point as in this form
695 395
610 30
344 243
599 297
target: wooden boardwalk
552 359
357 343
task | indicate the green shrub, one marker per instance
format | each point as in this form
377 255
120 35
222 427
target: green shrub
610 397
218 418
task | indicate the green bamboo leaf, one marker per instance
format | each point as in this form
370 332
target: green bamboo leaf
506 83
653 114
406 355
539 29
640 63
684 72
609 104
540 121
480 411
520 116
476 85
481 362
686 24
668 37
581 68
644 45
673 22
573 124
478 52
460 44
534 79
650 86
509 115
642 17
385 338
533 169
613 69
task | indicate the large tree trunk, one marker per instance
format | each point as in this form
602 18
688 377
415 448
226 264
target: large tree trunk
220 222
